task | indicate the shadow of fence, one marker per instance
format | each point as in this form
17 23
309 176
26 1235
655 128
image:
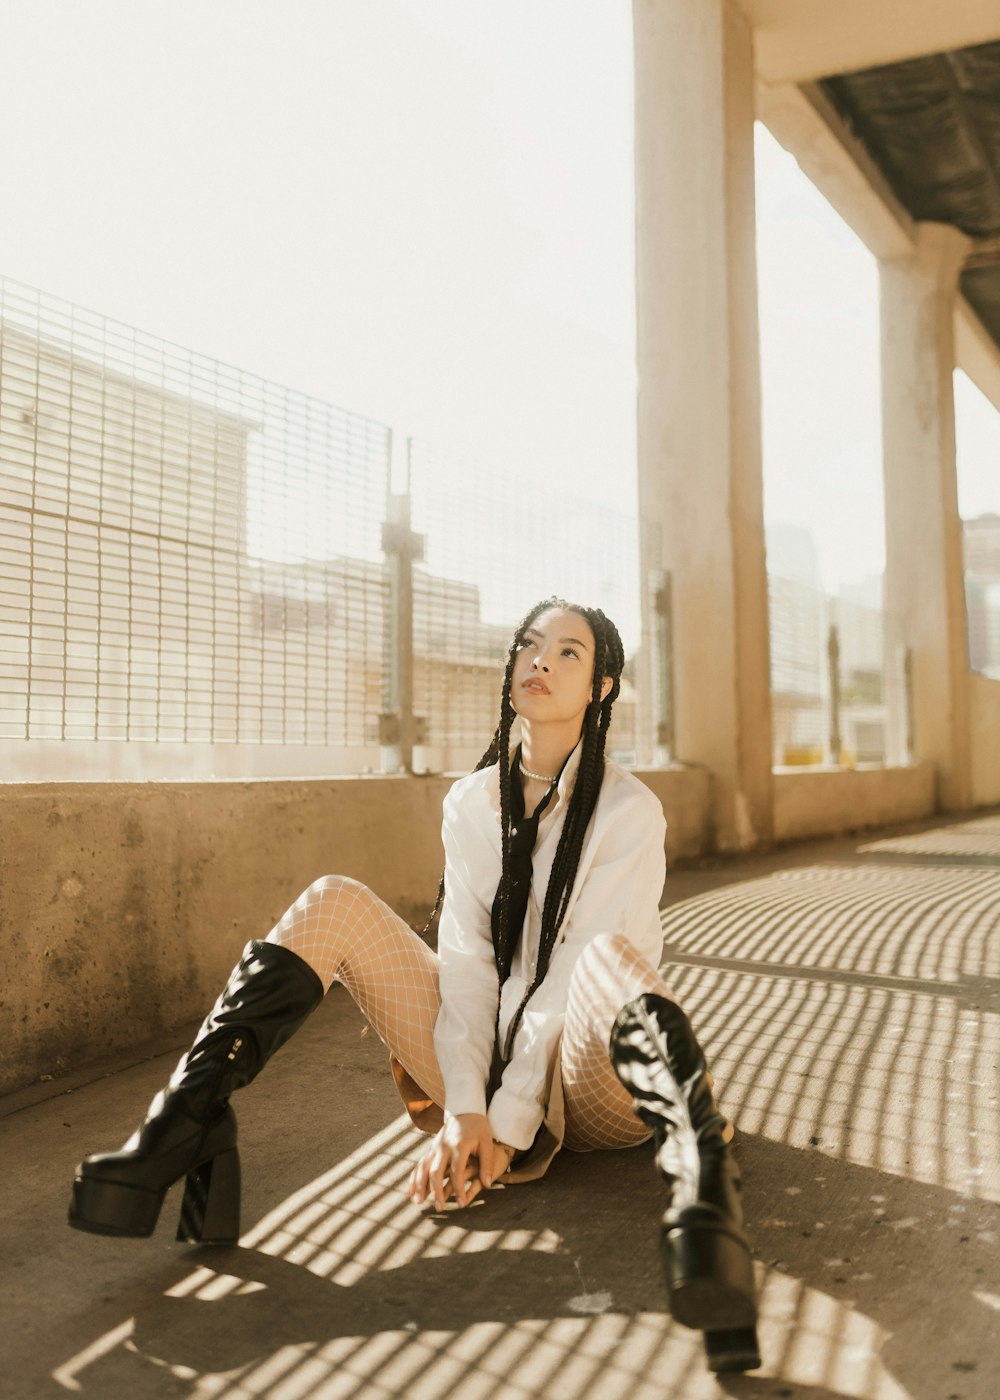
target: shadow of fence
851 1013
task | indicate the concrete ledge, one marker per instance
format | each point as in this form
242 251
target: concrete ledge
123 906
686 795
825 801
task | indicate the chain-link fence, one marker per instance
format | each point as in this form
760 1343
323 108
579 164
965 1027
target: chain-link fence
981 539
506 546
205 573
839 679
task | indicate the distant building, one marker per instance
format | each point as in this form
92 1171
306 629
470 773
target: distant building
981 541
804 624
131 607
122 516
329 623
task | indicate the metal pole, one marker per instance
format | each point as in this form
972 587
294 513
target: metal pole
833 657
398 731
911 743
645 739
665 671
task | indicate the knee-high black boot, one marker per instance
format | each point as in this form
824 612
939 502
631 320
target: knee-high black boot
706 1257
190 1129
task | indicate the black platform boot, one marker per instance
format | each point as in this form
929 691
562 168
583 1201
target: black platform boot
190 1129
706 1257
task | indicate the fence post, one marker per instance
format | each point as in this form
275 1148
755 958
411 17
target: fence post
908 703
398 730
833 659
663 613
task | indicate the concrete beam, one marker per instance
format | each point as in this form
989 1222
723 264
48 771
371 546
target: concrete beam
806 124
800 40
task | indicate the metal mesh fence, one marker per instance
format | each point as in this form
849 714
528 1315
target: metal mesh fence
493 545
838 679
981 539
195 560
192 557
187 552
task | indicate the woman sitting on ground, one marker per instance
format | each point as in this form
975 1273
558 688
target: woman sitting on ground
541 1023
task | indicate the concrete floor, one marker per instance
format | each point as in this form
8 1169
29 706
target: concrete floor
849 995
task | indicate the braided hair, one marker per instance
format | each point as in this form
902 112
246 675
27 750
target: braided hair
609 659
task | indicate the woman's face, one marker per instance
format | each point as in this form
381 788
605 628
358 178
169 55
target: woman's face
554 669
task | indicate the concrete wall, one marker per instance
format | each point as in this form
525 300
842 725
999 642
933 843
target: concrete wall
822 802
123 906
984 722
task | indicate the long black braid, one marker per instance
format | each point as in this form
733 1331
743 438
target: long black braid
609 659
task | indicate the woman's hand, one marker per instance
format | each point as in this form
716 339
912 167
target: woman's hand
461 1160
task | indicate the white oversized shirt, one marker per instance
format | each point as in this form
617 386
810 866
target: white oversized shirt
617 890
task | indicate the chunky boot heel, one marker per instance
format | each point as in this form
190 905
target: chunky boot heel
120 1193
210 1210
709 1275
112 1208
735 1349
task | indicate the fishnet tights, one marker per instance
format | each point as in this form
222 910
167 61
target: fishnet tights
348 934
608 973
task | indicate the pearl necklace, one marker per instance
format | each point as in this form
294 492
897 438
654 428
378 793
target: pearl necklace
538 777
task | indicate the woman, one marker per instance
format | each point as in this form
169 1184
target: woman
542 1021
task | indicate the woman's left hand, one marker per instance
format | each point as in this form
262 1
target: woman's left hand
461 1155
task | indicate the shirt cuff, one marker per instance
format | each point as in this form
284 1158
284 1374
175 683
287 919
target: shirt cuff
513 1120
464 1093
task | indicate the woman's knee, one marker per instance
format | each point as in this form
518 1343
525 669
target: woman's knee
611 971
604 954
336 890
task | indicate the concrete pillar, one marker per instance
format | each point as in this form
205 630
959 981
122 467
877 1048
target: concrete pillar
700 482
924 567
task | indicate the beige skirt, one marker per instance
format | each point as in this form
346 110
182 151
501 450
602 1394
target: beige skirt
529 1165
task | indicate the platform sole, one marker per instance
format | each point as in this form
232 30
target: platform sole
210 1208
111 1208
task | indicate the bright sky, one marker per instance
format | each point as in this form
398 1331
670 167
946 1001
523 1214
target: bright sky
422 211
820 379
818 290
